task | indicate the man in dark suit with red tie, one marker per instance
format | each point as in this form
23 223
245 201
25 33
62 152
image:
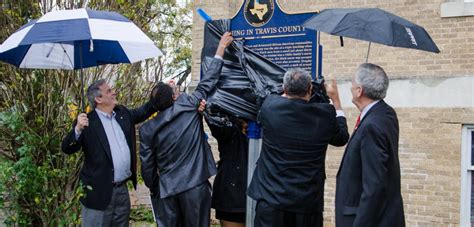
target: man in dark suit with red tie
368 181
288 182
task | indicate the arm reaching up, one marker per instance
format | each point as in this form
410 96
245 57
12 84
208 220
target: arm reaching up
341 138
333 94
225 41
212 72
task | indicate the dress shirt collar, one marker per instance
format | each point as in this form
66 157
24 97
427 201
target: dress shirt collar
367 108
104 114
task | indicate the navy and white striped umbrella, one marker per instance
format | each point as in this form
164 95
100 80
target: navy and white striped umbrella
76 39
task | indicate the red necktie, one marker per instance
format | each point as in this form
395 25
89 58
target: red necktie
357 122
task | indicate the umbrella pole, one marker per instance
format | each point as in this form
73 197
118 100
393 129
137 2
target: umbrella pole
368 51
83 106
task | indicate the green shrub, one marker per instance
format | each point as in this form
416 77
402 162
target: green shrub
37 178
39 184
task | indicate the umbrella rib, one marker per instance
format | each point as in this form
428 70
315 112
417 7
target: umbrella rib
24 55
334 32
50 50
392 35
67 55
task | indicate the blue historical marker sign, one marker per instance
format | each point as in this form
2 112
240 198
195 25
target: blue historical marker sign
278 36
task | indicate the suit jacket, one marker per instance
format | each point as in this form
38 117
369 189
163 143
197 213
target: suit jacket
368 181
98 169
290 172
174 151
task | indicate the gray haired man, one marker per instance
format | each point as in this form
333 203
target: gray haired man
368 180
288 182
107 138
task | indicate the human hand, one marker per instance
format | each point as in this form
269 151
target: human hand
82 122
202 106
333 93
225 41
172 82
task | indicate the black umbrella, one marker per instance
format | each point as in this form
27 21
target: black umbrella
373 25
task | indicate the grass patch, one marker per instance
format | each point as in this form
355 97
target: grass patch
141 214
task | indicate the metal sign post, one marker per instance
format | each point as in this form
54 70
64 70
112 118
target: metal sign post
255 145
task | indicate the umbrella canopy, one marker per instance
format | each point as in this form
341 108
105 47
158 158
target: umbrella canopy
373 25
75 39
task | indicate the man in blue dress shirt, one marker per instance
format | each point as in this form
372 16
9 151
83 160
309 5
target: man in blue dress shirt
106 135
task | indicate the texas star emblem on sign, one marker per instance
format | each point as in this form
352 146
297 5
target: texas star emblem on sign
277 35
259 12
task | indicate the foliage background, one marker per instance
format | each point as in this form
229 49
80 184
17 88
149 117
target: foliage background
38 183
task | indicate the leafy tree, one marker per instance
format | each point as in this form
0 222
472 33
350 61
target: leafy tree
39 184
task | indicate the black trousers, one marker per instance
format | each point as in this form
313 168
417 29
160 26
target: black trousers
267 216
190 208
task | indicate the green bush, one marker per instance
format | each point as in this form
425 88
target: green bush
39 184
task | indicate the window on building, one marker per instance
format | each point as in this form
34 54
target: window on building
472 176
457 8
472 197
467 178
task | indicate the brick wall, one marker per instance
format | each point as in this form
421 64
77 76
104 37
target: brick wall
454 37
430 138
429 152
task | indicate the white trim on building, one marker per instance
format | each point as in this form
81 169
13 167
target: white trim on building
454 92
467 168
458 8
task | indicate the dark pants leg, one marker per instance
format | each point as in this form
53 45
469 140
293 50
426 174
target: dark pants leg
195 205
310 219
91 217
167 211
267 216
190 208
117 213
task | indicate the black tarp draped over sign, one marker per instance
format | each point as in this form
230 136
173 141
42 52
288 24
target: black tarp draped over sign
246 78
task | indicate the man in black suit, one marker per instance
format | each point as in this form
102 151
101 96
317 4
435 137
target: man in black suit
288 182
368 181
107 138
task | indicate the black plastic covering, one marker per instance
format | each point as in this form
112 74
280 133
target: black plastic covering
246 78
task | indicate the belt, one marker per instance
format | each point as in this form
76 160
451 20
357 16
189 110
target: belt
119 184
